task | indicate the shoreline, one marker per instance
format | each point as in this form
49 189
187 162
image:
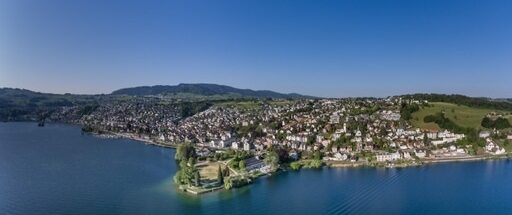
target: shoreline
132 137
328 164
333 164
466 159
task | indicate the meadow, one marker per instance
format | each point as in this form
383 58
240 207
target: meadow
461 115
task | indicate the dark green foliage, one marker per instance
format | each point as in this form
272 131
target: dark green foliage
203 90
311 140
281 136
317 155
21 105
245 130
406 110
499 123
241 165
225 172
463 100
191 161
272 158
187 174
280 153
190 108
220 176
381 144
446 123
442 121
184 152
90 129
342 141
88 109
234 182
237 157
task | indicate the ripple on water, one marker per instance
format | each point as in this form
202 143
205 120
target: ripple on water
368 193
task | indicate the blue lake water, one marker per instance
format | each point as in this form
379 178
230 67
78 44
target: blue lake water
57 170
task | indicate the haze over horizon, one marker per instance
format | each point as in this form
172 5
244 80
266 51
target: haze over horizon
328 49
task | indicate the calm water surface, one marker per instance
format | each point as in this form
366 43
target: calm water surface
57 170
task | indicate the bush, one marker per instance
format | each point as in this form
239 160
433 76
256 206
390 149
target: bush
314 164
234 182
295 165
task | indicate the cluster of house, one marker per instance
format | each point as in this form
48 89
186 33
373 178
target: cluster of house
340 128
444 137
147 118
407 154
493 148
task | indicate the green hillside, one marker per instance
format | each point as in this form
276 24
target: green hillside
462 115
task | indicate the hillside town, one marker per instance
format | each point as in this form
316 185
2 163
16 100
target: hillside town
340 130
227 142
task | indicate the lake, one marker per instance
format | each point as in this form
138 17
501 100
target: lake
58 170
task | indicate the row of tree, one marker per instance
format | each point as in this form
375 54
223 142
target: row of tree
188 174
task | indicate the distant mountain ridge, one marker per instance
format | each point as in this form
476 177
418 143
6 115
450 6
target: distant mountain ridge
204 90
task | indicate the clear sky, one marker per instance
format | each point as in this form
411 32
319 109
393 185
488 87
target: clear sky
322 48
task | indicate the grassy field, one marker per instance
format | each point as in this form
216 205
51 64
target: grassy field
208 171
462 115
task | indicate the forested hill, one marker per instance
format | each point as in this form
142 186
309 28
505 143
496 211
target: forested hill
478 102
204 90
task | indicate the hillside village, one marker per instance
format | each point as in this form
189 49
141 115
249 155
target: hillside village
248 137
354 130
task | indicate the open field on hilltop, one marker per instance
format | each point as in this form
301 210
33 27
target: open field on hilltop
461 115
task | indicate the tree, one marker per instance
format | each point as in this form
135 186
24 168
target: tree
499 123
311 140
229 184
272 158
191 161
406 110
197 179
186 174
317 155
184 152
220 176
241 165
226 172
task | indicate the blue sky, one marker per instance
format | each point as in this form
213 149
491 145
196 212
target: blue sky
321 48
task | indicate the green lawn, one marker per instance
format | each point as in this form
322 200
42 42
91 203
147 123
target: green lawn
462 115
